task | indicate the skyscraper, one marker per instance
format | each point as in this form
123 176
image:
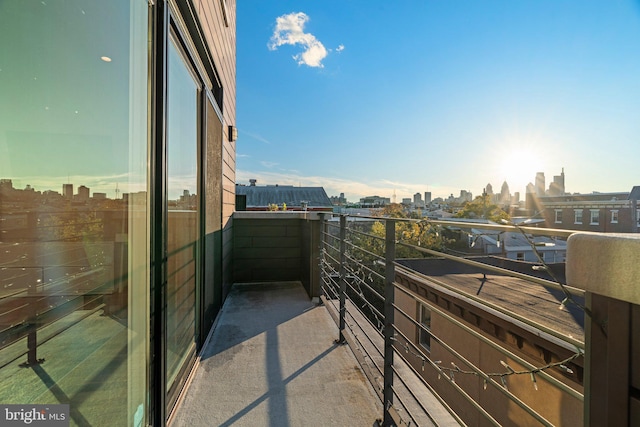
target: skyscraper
417 200
505 195
83 193
540 185
556 188
67 191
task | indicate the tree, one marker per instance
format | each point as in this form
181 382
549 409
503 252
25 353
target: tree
481 207
392 210
417 233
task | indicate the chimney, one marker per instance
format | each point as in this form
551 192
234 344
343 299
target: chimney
252 182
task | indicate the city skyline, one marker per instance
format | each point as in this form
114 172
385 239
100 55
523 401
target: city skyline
438 96
107 188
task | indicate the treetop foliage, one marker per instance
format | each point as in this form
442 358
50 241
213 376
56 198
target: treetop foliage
481 207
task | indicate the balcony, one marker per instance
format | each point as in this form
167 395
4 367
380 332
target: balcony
349 321
441 339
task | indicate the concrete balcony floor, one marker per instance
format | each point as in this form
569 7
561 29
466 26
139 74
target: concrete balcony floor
272 361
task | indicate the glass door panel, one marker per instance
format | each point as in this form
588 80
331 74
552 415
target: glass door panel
74 219
183 216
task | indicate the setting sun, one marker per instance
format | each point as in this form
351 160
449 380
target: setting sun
519 168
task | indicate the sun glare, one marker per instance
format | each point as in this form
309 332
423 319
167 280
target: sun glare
519 168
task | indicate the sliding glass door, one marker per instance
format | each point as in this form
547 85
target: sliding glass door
183 213
74 208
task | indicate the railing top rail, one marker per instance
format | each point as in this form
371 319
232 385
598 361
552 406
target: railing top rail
485 226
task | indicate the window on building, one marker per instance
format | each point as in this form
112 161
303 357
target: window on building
424 335
614 217
520 256
578 216
558 216
595 217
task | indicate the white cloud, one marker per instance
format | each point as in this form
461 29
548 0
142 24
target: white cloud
268 164
254 136
340 48
290 30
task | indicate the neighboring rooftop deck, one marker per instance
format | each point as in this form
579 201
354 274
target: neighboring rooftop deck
272 361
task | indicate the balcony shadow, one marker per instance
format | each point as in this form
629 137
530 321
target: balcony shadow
281 303
277 403
60 395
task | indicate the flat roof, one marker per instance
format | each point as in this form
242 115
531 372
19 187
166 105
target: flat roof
530 300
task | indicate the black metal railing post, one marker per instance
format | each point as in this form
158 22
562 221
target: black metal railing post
32 336
343 276
33 301
324 229
389 276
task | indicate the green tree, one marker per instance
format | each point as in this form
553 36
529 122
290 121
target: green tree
417 233
481 207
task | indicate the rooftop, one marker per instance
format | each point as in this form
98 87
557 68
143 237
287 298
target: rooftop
535 302
261 196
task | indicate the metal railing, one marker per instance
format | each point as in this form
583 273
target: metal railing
360 268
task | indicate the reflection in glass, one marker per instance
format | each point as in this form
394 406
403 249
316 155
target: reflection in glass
73 207
182 215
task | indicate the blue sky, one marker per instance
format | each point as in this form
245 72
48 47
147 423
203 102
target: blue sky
412 96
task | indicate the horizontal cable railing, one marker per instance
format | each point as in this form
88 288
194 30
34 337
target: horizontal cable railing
363 273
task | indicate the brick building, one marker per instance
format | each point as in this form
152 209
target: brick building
601 212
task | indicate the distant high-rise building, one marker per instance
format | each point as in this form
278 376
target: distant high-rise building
427 197
488 189
83 193
67 191
540 185
417 200
505 195
556 188
465 196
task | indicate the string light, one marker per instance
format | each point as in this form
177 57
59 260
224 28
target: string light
533 380
455 369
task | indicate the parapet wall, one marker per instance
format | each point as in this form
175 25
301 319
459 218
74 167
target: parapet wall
607 267
277 246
